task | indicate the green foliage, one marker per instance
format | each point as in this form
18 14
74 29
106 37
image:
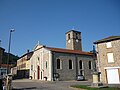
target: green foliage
13 58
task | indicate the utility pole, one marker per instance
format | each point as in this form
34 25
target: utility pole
0 55
0 43
9 76
12 30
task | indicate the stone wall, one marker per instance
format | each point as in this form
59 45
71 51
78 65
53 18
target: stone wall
86 71
71 74
102 57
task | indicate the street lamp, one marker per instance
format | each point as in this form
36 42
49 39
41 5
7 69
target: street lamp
12 30
0 43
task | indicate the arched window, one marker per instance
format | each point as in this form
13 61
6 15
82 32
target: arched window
90 65
76 35
38 58
46 65
68 36
80 64
58 64
70 64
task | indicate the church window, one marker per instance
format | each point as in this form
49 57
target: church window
90 65
81 72
46 64
58 64
38 58
70 64
31 67
76 35
68 36
80 64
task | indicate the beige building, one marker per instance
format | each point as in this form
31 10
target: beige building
62 64
108 56
23 65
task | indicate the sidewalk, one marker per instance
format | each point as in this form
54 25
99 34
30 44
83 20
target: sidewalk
22 80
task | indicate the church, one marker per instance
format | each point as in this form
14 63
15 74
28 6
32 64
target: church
50 63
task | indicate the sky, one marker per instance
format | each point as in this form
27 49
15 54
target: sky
47 21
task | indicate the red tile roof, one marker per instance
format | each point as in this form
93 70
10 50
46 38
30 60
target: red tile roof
69 51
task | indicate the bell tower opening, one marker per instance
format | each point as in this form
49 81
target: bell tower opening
73 40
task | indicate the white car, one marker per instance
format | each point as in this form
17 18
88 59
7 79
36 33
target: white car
80 78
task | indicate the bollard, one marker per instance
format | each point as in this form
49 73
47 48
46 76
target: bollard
9 82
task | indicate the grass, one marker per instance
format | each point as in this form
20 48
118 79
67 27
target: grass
91 88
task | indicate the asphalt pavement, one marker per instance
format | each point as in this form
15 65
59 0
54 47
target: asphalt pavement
26 84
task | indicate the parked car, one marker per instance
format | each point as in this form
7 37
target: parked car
80 78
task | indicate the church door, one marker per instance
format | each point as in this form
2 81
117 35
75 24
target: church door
38 72
41 75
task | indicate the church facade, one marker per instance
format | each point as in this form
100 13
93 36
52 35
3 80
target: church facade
49 63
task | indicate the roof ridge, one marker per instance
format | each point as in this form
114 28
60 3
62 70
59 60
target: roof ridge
110 38
62 50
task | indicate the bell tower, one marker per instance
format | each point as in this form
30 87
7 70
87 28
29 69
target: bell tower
73 40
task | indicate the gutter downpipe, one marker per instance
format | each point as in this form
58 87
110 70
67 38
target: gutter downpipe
52 65
76 66
98 67
98 58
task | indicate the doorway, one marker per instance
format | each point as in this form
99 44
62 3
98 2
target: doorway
38 76
41 75
113 76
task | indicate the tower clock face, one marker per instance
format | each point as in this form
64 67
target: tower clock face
76 40
68 41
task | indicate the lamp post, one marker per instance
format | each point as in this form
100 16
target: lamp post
12 30
0 43
0 55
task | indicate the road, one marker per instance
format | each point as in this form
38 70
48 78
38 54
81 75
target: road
26 84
